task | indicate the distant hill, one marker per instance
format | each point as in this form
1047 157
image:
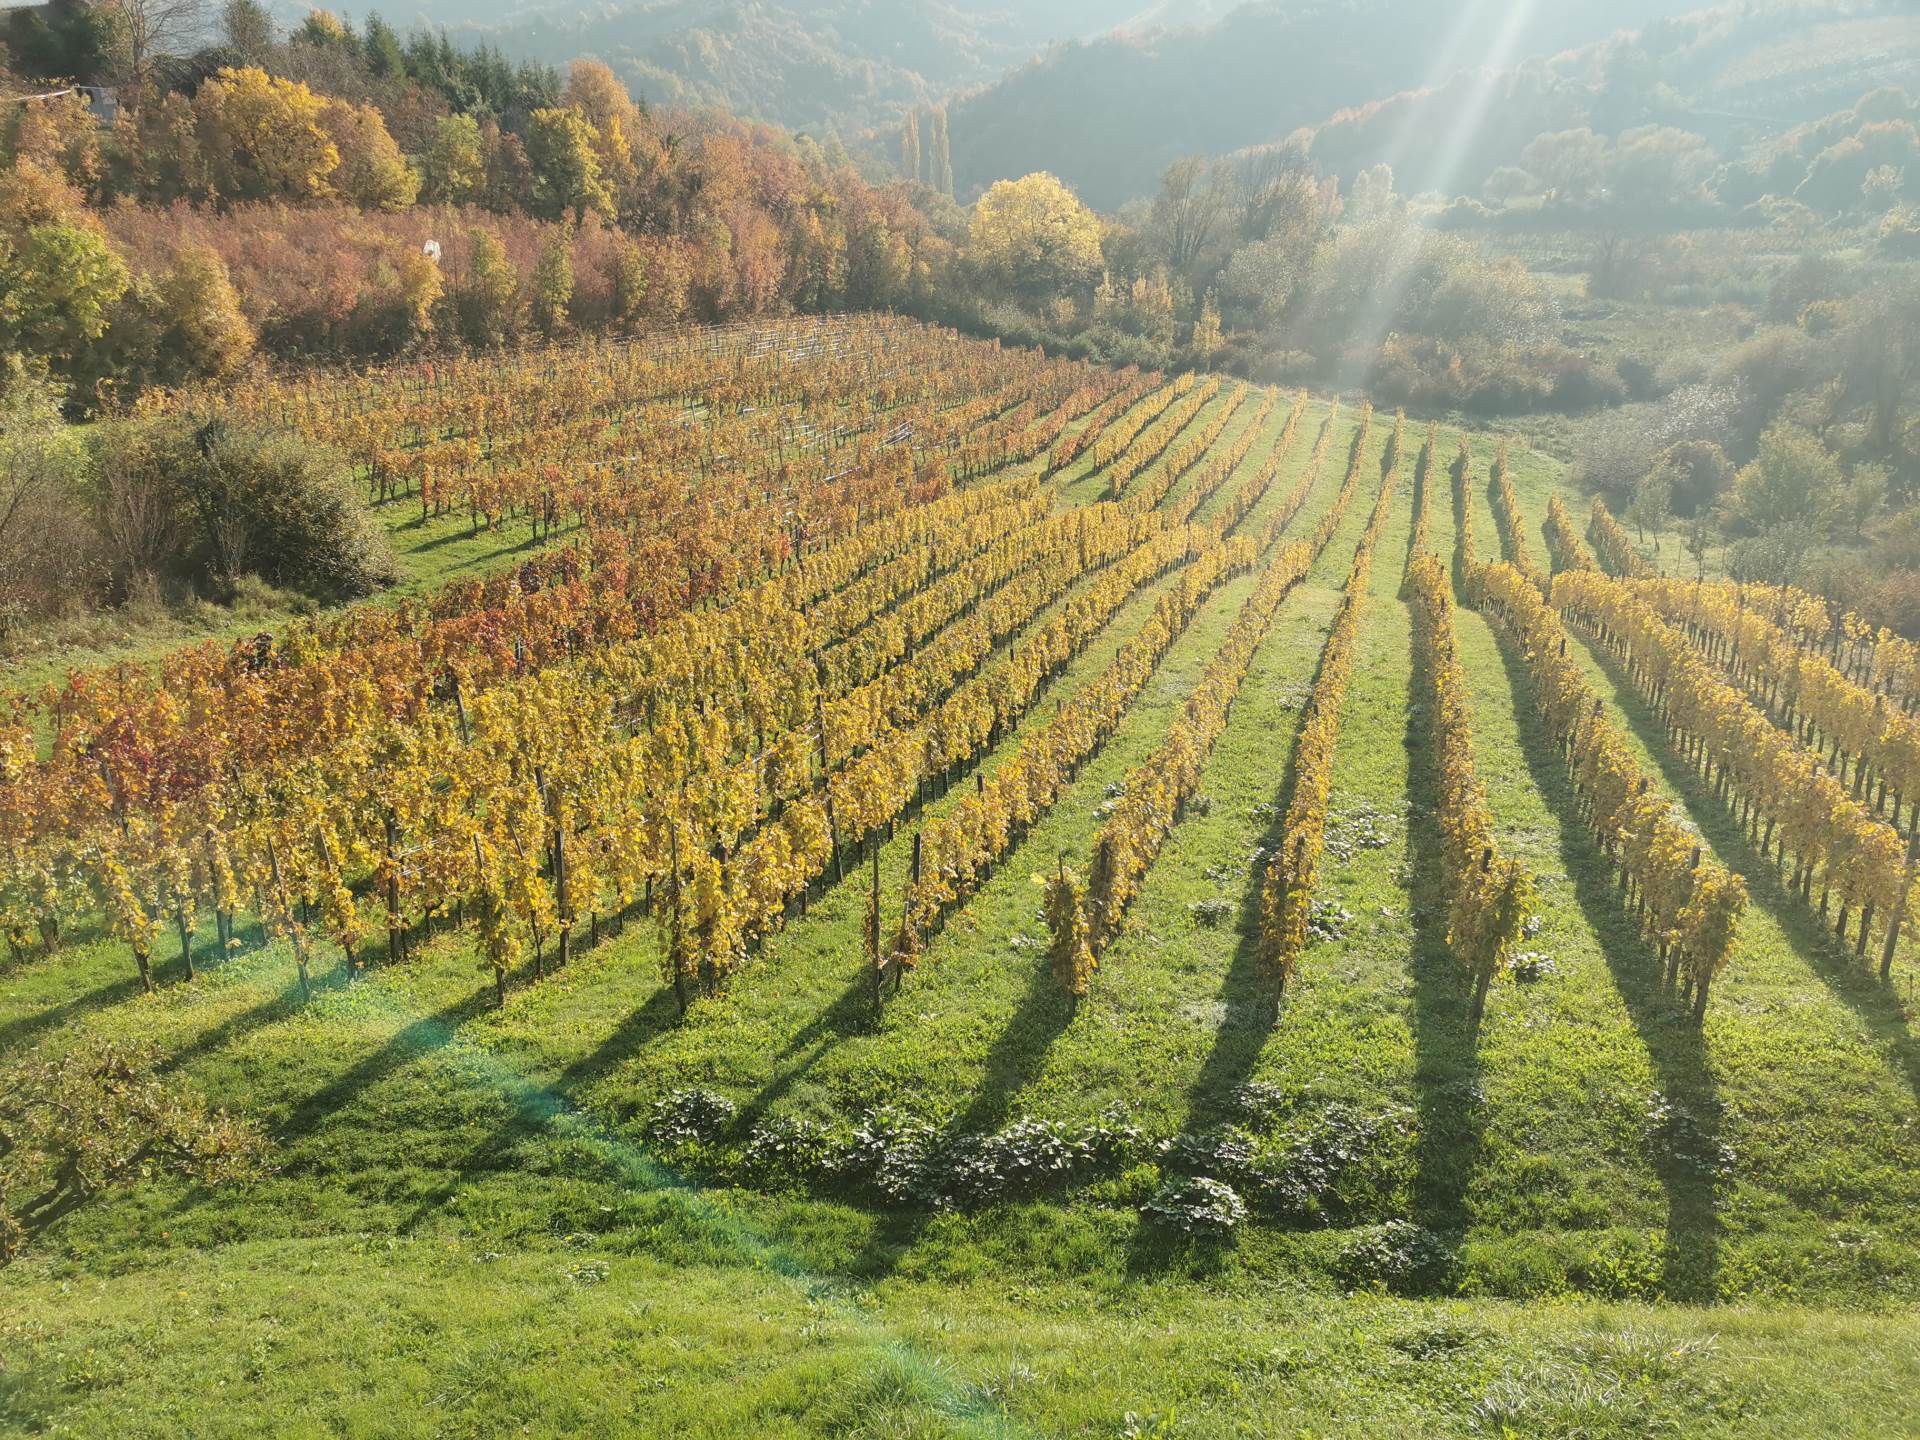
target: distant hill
805 63
1109 114
1738 79
1106 92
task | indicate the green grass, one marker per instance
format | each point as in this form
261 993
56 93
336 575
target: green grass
638 1337
1647 1227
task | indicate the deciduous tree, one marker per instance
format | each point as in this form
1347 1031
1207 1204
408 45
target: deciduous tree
1033 236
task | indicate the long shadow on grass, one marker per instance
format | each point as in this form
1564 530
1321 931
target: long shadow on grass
851 1014
17 1034
1875 1003
1018 1052
1251 1008
413 1040
1012 1063
1684 1160
500 1148
1447 1075
217 1037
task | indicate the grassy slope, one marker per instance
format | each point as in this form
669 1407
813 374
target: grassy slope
463 1238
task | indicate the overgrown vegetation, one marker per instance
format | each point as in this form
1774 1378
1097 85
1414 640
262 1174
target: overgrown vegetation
134 510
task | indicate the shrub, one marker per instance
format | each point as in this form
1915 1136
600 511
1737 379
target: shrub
689 1117
207 504
1397 1254
1198 1206
98 1117
50 561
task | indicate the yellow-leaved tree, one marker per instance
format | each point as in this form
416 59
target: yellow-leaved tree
1034 237
263 136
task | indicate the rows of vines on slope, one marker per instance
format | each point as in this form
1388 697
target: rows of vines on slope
160 838
1124 464
1423 482
1068 447
1869 655
1687 904
1286 890
1803 691
1782 793
1466 549
1489 895
1190 448
1128 426
209 710
956 851
1156 792
539 802
1506 514
1564 545
1612 545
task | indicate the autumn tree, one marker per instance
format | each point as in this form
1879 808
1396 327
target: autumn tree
325 30
1033 237
940 161
1881 366
59 280
264 137
1651 506
1189 211
562 149
372 173
1657 168
59 135
553 285
627 283
45 564
454 166
153 28
508 185
1792 483
488 297
248 28
622 145
1572 164
202 330
421 286
911 159
165 152
1696 472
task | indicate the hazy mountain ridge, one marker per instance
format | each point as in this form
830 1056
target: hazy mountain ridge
812 63
1108 116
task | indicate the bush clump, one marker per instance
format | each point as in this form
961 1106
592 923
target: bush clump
206 505
1198 1206
97 1118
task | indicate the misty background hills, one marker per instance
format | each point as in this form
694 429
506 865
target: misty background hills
1106 93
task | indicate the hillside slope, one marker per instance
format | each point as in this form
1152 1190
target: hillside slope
810 63
1108 115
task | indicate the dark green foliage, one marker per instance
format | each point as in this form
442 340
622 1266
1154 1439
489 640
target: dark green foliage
1199 1206
205 505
